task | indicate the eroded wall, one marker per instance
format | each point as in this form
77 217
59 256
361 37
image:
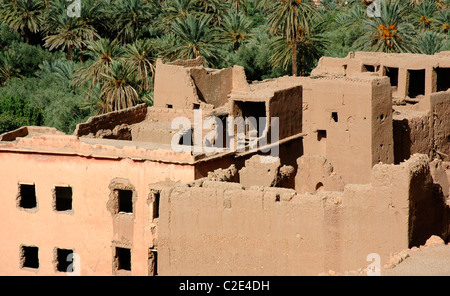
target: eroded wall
273 231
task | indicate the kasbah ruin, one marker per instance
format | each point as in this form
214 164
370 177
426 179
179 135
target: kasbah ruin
352 168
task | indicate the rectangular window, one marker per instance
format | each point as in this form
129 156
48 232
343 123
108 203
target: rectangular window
64 260
169 106
416 84
29 257
321 134
27 196
156 196
125 201
368 68
334 116
392 73
442 79
123 258
63 198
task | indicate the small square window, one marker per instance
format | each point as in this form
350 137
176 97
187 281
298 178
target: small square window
169 106
27 196
125 199
63 198
334 116
64 260
123 258
29 257
321 134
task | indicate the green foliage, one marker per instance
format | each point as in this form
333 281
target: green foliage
16 112
65 69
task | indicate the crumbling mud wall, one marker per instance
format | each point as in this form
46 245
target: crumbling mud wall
349 122
275 231
113 125
425 132
197 86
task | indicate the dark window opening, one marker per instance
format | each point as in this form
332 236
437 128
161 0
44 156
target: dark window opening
334 115
442 79
196 106
125 201
392 73
152 262
64 260
186 138
63 198
368 68
27 196
319 186
30 257
254 114
123 257
321 134
156 205
169 106
416 85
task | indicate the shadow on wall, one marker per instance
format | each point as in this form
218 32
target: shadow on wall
402 140
429 212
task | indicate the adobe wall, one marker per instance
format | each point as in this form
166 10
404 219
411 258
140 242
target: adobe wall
349 121
357 62
92 229
222 229
286 105
197 86
96 125
424 132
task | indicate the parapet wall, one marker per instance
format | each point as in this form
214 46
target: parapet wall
110 120
222 229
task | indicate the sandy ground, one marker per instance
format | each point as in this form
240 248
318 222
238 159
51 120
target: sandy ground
429 261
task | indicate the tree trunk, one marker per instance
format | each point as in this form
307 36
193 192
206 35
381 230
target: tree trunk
69 53
294 57
237 6
245 7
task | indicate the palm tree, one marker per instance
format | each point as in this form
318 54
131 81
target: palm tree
389 33
103 52
177 9
442 22
214 8
430 42
289 18
23 16
8 69
68 33
129 17
237 28
63 70
424 13
310 46
237 5
118 91
195 38
141 57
